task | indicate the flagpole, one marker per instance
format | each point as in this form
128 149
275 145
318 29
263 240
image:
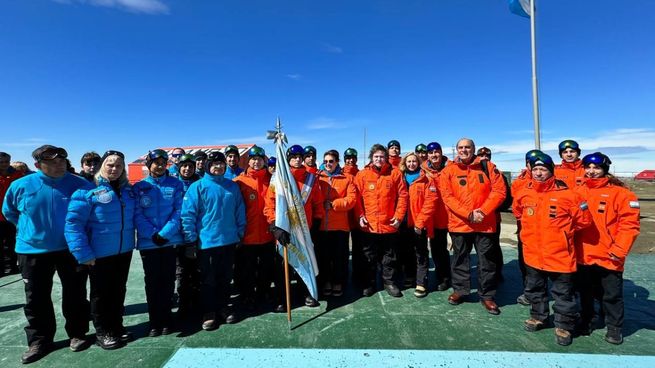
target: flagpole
287 285
535 89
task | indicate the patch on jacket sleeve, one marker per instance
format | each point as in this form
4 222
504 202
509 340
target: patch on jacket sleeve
584 206
634 204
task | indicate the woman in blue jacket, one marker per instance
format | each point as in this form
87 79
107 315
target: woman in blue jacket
99 231
214 215
158 234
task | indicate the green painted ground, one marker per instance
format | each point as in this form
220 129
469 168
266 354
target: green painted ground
379 322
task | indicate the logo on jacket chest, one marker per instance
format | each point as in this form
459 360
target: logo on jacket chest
146 201
252 196
103 196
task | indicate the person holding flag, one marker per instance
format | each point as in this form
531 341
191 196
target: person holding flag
294 204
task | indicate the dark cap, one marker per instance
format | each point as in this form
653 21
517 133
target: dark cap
48 152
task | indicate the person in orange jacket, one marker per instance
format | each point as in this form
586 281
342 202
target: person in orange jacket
519 183
253 270
309 159
356 254
417 226
550 214
570 170
340 195
422 151
313 211
393 150
8 258
602 248
381 208
439 240
472 197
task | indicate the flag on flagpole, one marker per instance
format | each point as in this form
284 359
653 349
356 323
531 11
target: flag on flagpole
290 217
520 7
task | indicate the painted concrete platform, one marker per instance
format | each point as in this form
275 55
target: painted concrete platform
380 324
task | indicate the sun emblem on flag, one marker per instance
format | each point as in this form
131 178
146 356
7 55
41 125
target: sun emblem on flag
294 219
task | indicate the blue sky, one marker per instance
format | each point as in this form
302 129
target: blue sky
139 74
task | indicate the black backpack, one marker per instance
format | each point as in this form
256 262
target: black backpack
507 203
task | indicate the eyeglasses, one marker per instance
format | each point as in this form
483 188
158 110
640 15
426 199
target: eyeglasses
92 162
53 153
328 161
112 153
176 155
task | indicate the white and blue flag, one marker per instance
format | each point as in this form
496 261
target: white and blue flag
520 7
290 217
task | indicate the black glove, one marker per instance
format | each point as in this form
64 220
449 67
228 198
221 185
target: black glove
316 225
282 236
159 240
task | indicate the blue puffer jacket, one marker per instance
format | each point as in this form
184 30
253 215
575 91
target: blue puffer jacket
213 211
231 173
100 223
159 202
37 205
187 182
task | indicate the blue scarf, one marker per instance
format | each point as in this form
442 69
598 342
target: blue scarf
411 176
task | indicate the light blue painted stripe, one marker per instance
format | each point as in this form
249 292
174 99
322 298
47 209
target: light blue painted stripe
338 358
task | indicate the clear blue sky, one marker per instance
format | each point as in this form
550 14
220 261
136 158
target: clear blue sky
138 74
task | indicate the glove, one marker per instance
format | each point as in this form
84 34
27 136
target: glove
316 225
282 236
159 240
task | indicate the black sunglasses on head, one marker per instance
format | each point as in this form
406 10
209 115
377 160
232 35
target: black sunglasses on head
112 152
53 153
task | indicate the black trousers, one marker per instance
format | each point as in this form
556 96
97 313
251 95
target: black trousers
108 287
332 257
440 255
380 249
253 270
463 243
8 256
188 277
562 290
520 255
159 276
357 259
216 268
590 278
495 241
413 255
37 271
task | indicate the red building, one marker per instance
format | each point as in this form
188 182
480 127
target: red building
137 169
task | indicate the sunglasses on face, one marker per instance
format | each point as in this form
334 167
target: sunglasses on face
176 155
52 154
328 161
92 162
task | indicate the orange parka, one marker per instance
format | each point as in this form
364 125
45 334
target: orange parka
550 213
423 197
340 191
394 161
440 215
254 186
383 196
352 217
465 188
520 182
313 206
615 211
572 173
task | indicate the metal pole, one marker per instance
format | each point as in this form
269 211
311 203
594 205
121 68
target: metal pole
535 89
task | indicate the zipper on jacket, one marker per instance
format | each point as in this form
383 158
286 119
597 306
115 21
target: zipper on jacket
120 247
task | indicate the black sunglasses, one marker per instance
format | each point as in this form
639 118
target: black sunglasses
53 153
112 152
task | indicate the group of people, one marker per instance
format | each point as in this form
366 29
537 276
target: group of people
203 225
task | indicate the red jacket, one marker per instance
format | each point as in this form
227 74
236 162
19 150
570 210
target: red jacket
312 169
340 191
465 188
313 206
5 181
615 211
383 196
440 215
254 186
520 182
550 214
394 161
423 197
570 173
352 217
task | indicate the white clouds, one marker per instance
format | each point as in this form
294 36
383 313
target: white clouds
134 6
294 76
26 143
332 49
324 123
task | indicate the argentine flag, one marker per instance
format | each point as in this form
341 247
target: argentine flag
520 7
290 216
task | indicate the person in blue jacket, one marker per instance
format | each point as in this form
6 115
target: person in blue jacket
232 159
37 205
159 202
187 273
214 215
100 234
175 158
